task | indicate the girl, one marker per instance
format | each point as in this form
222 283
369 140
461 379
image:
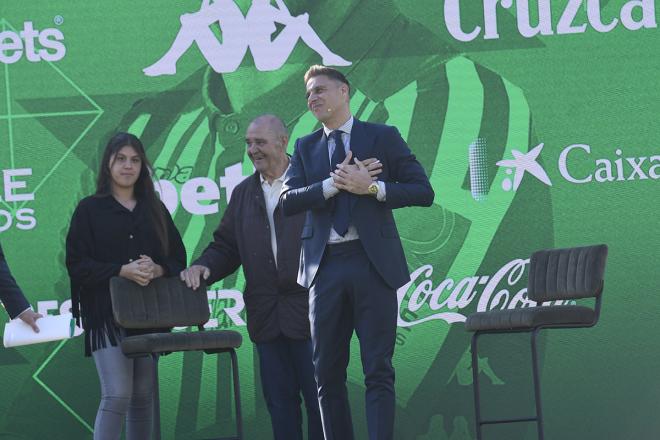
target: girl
122 230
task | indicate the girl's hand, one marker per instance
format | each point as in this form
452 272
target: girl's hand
134 271
148 265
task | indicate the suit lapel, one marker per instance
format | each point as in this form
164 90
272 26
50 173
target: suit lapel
360 143
319 154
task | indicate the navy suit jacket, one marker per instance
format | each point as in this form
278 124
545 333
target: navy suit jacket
406 184
10 294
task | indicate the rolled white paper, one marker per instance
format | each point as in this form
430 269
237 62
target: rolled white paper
51 328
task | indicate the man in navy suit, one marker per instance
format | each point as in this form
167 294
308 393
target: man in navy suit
12 297
351 258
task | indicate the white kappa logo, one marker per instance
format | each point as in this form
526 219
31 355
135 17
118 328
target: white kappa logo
239 33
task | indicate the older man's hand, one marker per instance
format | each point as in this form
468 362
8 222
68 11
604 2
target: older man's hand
192 275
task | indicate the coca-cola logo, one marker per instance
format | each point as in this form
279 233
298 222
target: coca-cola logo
423 302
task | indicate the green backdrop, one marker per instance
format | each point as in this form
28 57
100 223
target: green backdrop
570 100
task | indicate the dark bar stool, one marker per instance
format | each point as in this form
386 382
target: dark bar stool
166 303
555 274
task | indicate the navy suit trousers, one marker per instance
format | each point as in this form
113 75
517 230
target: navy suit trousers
348 294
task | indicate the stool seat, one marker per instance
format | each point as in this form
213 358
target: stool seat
156 343
166 303
554 275
527 318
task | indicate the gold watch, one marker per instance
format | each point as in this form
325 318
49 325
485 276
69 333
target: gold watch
373 189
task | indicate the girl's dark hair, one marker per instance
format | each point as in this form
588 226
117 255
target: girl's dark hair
145 192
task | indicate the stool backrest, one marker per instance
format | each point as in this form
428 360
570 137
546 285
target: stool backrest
572 273
165 302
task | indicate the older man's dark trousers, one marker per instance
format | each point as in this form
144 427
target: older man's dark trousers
348 294
286 373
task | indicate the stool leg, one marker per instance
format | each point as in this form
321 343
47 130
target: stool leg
156 400
237 395
475 384
537 385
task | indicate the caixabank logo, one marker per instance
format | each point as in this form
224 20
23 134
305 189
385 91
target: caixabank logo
604 167
30 43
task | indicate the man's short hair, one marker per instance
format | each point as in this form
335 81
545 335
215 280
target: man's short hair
274 122
318 70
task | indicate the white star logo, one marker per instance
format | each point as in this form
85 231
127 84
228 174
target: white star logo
524 163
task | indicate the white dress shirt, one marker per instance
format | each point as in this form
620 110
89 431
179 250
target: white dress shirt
272 196
329 189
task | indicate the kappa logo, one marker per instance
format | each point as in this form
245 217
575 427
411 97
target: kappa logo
254 31
523 163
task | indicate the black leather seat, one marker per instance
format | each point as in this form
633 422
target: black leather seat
530 317
167 303
555 275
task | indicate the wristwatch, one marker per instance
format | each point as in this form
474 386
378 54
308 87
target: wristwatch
373 189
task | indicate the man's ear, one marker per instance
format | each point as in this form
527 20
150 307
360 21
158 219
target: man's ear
347 93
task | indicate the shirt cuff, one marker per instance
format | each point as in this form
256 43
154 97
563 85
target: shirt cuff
381 191
29 308
329 189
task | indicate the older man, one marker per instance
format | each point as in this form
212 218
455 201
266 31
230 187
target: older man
12 297
254 233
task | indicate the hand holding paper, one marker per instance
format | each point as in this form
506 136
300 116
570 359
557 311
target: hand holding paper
52 328
30 317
